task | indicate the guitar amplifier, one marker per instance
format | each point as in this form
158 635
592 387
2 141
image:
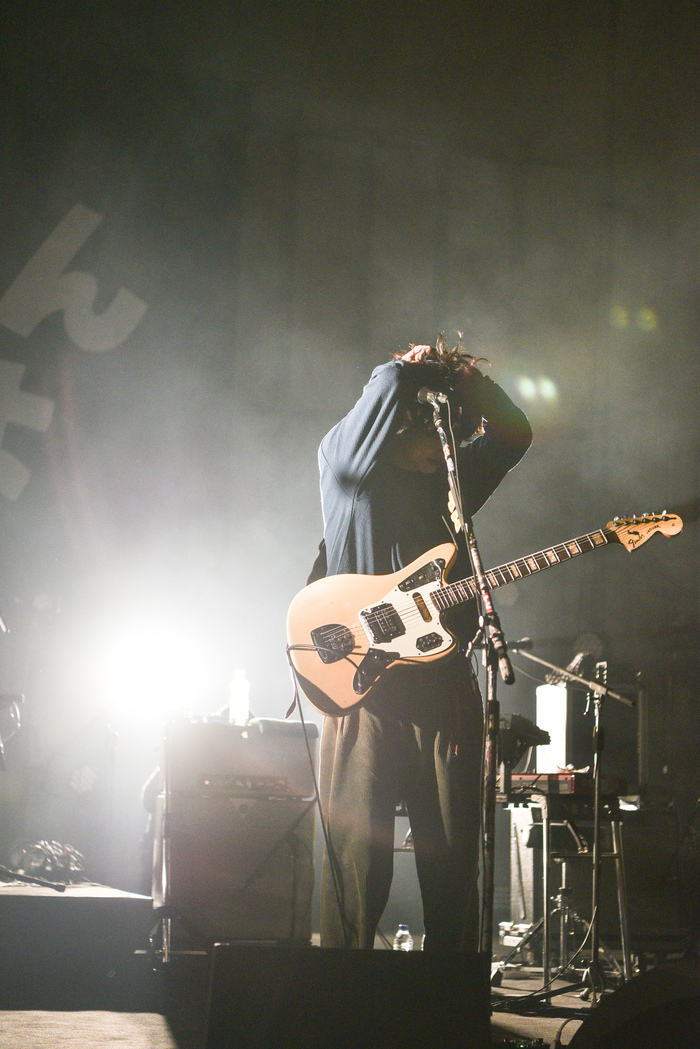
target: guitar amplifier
266 757
235 820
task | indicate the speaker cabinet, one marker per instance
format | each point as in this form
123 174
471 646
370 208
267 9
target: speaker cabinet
658 911
235 823
321 998
72 949
266 757
662 877
660 1007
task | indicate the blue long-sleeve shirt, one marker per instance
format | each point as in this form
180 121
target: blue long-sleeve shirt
377 517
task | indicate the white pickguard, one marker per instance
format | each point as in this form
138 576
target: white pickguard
407 611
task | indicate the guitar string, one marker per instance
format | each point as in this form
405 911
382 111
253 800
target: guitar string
454 593
470 585
455 590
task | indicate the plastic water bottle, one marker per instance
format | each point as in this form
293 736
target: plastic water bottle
239 698
403 941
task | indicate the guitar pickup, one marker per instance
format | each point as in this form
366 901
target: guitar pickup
382 623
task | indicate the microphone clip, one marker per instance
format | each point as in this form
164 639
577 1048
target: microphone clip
434 397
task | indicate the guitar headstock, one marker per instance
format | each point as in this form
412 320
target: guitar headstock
633 531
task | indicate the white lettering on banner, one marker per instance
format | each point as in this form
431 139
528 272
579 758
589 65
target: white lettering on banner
43 287
25 409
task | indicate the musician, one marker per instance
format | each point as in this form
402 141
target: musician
417 738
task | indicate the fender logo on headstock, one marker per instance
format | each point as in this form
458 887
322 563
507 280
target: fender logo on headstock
633 531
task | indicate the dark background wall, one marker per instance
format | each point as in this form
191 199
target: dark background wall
217 219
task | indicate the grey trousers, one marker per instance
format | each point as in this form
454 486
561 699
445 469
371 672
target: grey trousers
418 741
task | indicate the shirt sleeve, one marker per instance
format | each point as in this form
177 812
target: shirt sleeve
486 459
353 446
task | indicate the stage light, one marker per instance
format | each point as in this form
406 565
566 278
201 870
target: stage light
149 666
541 389
647 319
619 317
527 388
547 389
82 780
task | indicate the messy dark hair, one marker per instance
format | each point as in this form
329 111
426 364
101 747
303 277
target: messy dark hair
446 364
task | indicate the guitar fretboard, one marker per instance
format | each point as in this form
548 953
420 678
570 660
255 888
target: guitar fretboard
466 589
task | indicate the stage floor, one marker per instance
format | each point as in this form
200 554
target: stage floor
114 1030
77 970
183 1026
180 1023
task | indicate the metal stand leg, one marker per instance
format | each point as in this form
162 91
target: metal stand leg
622 899
546 923
565 912
166 933
564 919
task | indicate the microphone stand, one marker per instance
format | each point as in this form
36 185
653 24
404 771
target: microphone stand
594 974
495 659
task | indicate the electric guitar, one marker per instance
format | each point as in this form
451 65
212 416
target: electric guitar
346 632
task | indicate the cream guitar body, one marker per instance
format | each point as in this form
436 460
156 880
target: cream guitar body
346 632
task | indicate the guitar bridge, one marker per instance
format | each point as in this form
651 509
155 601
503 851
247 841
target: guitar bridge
333 642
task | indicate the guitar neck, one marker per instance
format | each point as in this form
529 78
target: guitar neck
467 589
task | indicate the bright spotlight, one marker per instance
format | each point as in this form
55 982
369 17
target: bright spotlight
547 389
647 319
541 389
149 665
619 317
527 388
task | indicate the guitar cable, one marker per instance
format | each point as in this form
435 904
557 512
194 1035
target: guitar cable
333 862
509 1003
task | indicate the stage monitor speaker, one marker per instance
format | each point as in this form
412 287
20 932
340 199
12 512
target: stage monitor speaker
660 1007
235 830
322 998
72 949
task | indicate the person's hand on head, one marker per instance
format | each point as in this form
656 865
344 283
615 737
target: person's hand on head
416 353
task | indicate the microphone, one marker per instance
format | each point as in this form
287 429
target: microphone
426 396
523 645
